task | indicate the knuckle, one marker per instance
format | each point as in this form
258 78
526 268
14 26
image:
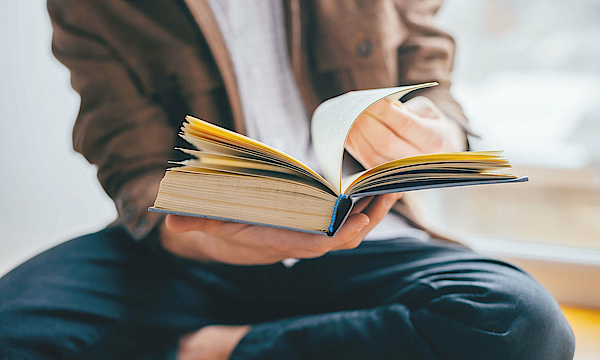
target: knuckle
436 142
380 151
404 125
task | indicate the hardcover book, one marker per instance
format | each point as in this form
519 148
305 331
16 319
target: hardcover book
232 177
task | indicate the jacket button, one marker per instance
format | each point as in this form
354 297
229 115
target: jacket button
364 48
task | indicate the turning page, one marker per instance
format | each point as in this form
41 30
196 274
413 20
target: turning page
333 119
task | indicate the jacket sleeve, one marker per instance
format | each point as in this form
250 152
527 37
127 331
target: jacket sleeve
118 128
428 55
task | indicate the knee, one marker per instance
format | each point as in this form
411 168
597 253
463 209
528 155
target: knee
22 328
507 315
539 329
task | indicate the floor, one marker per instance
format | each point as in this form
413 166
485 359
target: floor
586 326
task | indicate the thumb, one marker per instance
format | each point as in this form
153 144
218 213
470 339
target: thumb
181 224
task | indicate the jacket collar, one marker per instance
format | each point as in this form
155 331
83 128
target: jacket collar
202 13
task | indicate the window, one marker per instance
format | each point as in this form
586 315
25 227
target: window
528 78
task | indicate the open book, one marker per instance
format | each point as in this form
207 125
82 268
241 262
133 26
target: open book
234 178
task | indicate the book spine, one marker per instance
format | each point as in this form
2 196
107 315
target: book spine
341 211
335 209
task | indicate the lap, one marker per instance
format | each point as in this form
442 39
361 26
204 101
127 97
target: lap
411 272
454 298
103 289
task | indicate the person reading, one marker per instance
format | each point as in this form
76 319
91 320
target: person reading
155 286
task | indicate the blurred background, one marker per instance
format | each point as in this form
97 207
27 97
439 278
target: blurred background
528 76
527 73
48 193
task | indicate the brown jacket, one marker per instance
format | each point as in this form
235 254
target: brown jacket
141 66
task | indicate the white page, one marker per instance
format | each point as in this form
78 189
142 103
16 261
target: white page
333 119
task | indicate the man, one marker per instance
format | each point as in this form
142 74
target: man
383 287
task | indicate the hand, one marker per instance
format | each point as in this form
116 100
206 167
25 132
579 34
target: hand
212 342
389 130
241 244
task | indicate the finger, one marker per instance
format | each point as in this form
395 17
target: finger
350 244
181 224
284 242
299 244
270 241
376 211
352 227
363 151
361 205
384 141
403 122
310 246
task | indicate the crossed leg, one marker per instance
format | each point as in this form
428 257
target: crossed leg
102 296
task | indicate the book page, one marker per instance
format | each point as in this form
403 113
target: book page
198 128
333 119
469 159
195 166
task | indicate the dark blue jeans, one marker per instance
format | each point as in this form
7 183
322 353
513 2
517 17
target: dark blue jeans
102 296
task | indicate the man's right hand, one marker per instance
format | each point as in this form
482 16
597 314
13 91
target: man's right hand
241 244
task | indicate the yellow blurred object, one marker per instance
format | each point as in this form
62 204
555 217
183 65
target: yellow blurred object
586 327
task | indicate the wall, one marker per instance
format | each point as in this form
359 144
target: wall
48 193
